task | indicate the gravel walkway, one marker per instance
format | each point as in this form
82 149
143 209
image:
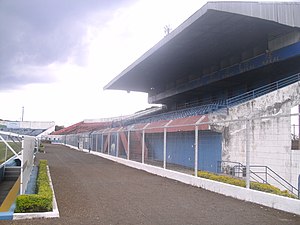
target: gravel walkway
92 190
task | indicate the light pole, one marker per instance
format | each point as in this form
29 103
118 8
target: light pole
22 113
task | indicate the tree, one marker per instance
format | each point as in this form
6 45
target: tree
57 127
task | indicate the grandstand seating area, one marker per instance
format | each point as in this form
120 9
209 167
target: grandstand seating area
23 131
154 114
177 114
217 106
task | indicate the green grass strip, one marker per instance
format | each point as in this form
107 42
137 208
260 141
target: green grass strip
15 146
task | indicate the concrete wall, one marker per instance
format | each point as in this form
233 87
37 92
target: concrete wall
270 138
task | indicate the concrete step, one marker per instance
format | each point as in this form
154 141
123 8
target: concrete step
13 168
11 178
12 173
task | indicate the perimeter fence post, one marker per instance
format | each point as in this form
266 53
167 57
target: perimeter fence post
108 143
165 147
196 150
117 145
128 144
96 142
247 154
143 146
22 165
102 144
143 142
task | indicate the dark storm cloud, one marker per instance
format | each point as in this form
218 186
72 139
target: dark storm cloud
35 33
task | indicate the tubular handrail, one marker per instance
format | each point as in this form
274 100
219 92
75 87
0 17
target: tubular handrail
279 179
206 106
263 90
268 173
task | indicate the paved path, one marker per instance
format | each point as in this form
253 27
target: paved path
92 190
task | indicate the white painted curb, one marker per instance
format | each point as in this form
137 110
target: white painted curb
266 199
53 214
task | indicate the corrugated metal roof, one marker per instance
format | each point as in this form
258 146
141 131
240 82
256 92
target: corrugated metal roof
286 13
195 40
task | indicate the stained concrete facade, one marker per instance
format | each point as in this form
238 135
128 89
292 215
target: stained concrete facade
269 133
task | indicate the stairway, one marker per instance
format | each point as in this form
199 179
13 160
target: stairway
11 174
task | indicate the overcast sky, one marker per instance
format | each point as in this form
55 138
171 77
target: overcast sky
57 55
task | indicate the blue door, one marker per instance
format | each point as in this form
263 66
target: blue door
210 150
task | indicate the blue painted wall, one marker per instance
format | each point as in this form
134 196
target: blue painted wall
155 145
99 142
180 149
210 151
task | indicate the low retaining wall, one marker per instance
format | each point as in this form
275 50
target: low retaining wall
266 199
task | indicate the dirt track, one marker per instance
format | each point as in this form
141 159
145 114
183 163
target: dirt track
92 190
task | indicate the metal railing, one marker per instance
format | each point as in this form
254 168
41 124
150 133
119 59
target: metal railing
262 175
207 106
263 90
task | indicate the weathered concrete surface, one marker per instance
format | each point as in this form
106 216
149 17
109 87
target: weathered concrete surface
92 190
269 138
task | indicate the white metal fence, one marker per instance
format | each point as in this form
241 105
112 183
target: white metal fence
19 147
254 149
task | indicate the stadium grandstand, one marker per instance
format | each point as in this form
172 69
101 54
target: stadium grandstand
228 67
27 128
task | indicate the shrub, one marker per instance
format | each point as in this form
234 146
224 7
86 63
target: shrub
242 183
40 202
41 148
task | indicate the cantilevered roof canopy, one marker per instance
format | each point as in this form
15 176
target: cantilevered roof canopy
214 32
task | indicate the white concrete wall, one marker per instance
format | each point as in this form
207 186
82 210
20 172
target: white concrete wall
270 138
295 165
54 138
